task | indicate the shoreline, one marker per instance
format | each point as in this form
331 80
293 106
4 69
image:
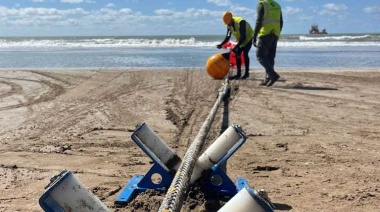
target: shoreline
280 69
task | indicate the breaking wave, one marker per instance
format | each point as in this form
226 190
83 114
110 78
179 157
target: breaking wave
41 43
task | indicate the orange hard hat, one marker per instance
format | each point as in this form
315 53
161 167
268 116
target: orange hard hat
227 17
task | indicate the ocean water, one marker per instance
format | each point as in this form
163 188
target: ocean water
187 51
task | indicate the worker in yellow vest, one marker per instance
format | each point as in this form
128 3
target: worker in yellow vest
268 29
243 32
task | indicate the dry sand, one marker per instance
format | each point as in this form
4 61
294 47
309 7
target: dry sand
313 138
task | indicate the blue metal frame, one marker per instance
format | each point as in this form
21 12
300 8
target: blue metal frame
226 187
141 183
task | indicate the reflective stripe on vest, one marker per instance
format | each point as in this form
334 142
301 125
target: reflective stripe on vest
271 20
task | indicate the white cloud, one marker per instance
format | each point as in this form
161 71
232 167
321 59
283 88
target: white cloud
164 12
108 18
77 1
220 3
37 0
373 9
37 16
110 5
190 13
72 1
243 10
333 9
38 12
126 11
291 10
76 11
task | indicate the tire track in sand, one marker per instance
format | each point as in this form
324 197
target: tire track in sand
15 89
54 90
188 106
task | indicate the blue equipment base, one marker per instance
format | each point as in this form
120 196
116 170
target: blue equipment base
217 180
220 183
141 183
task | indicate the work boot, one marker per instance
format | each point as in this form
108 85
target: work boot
237 76
264 82
272 81
246 75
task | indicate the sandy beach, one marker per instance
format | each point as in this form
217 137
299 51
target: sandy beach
313 138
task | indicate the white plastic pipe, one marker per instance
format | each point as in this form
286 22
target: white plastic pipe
71 195
158 147
215 152
243 201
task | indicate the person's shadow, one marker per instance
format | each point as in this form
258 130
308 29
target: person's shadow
282 207
310 88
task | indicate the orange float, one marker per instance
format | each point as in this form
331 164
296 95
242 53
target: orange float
217 66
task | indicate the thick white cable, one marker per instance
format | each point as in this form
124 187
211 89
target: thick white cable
175 195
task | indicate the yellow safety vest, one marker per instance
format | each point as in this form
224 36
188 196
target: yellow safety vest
272 18
235 30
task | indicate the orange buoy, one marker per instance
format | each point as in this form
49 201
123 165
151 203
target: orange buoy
217 66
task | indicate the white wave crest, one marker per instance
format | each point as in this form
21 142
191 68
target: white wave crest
101 43
191 42
325 37
327 44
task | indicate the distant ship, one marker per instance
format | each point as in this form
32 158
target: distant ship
315 31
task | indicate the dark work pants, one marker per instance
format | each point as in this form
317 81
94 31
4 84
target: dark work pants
245 51
266 52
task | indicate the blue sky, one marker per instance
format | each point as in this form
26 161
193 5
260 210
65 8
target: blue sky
176 17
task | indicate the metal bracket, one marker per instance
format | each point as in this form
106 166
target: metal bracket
218 180
141 183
